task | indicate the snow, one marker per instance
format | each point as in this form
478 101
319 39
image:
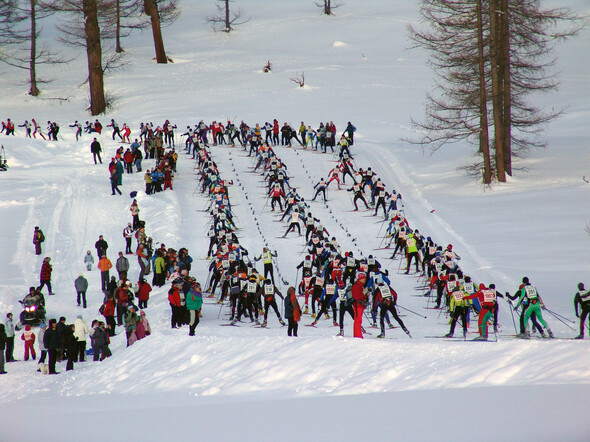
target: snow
357 68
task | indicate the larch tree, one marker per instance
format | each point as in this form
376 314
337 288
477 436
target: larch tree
160 13
489 57
227 17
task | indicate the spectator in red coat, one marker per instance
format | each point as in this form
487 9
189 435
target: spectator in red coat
174 299
45 277
109 314
143 293
360 297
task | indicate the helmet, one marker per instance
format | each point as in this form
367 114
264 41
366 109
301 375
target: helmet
525 280
581 286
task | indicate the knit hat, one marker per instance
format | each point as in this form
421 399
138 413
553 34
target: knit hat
79 317
27 327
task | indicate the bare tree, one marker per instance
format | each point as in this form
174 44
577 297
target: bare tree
457 110
127 15
28 55
489 56
228 19
160 12
328 6
10 18
87 36
94 54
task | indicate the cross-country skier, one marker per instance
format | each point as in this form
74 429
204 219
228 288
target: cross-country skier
582 299
268 291
267 257
388 302
535 305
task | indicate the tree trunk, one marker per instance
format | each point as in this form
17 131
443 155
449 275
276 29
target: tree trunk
328 7
118 48
506 84
151 9
496 91
484 139
94 54
34 90
227 23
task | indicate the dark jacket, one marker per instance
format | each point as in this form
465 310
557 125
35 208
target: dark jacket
71 342
95 147
99 336
2 337
50 339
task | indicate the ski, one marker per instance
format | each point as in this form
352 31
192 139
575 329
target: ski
229 325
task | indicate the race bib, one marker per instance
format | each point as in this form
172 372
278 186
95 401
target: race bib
489 295
451 286
269 289
330 289
252 287
385 292
531 291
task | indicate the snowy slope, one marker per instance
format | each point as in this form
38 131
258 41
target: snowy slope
357 69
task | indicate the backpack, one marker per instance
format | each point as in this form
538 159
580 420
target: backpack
41 236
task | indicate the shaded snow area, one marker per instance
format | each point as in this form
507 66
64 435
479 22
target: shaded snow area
246 383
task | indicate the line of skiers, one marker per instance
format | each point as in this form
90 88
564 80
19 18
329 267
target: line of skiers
461 295
250 294
274 135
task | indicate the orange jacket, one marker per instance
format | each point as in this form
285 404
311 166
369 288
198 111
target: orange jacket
104 264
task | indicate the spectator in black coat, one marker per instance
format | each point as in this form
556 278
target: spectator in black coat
51 343
2 348
71 346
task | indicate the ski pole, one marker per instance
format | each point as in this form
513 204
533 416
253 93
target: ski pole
560 316
559 319
265 203
220 307
296 278
412 311
511 314
379 234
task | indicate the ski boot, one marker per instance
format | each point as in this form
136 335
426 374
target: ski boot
327 316
407 332
579 337
233 322
306 311
281 321
340 333
550 333
481 338
390 325
448 335
525 335
313 316
313 324
261 325
381 335
373 324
